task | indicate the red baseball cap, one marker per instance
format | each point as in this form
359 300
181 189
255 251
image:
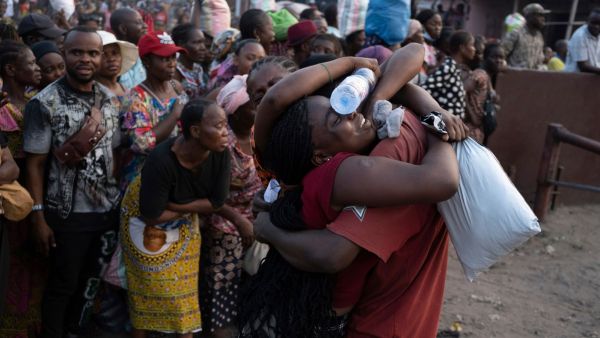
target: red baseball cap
159 44
301 32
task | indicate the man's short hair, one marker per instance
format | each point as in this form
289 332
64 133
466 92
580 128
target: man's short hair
119 16
81 29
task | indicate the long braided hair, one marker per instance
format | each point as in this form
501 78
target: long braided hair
8 32
281 300
10 52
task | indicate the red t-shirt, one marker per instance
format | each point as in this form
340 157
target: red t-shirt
316 196
317 213
403 293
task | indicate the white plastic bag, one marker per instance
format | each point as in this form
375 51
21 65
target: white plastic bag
115 273
215 16
254 256
487 218
63 5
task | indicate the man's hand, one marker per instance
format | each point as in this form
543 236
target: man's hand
456 128
43 234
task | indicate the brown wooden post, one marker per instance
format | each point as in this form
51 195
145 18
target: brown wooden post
572 14
547 170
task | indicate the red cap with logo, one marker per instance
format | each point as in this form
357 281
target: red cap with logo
159 44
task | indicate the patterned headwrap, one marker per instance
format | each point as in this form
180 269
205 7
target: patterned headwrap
233 95
223 42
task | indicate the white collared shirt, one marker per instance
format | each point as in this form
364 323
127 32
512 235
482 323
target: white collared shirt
583 46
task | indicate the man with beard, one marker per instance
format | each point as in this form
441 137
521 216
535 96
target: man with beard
524 47
127 25
75 215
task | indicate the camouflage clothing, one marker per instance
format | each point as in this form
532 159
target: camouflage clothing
524 48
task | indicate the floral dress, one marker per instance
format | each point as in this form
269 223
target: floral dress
193 80
12 123
145 112
222 245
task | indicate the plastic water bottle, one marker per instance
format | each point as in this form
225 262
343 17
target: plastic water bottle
349 94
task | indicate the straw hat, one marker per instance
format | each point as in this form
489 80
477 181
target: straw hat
129 51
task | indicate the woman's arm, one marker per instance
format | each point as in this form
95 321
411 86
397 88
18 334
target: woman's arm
196 13
422 103
9 171
393 85
204 206
387 182
396 72
199 206
174 211
319 251
296 86
165 216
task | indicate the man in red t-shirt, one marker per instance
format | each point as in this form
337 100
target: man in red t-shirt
403 292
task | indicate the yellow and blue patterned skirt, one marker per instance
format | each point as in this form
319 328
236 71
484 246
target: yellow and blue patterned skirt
163 287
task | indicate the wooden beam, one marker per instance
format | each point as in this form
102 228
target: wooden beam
572 14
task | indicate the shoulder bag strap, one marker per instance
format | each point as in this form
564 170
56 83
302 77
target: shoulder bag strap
96 111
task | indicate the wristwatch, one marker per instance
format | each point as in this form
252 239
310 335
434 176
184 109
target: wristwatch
37 207
433 121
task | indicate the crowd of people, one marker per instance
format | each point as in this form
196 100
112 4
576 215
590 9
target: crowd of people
146 134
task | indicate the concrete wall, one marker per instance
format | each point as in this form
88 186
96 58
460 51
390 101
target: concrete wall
487 17
530 100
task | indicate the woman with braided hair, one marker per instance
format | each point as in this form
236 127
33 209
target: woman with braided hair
27 272
223 242
312 151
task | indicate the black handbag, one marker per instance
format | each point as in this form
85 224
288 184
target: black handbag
489 117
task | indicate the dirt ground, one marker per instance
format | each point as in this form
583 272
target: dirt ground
550 287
